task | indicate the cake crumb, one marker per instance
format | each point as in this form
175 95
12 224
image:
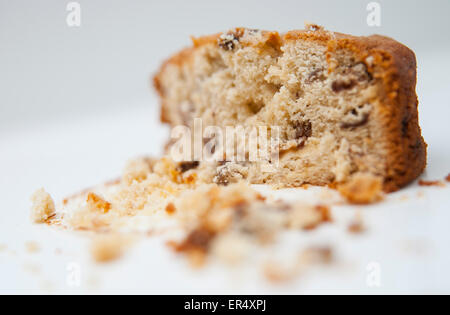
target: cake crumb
96 202
231 248
362 189
430 183
196 241
308 218
357 226
277 274
313 27
32 247
107 248
317 255
170 208
43 206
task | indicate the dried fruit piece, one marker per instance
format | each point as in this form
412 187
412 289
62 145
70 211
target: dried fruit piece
230 173
188 165
357 117
316 74
342 85
303 129
229 41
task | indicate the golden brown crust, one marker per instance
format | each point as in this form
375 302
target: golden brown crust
185 54
388 61
395 65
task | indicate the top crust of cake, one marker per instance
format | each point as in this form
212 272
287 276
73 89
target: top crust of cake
390 63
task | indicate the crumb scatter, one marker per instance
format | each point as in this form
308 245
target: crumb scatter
428 183
108 248
32 247
220 222
43 206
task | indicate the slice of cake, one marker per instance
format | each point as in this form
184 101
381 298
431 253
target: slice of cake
345 105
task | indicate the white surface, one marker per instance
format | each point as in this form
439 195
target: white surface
75 105
407 236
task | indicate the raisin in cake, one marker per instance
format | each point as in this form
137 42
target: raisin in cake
346 105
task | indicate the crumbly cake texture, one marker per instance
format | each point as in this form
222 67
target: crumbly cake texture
438 183
146 188
43 206
226 220
164 197
346 104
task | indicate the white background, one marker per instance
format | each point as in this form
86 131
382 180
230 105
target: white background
76 103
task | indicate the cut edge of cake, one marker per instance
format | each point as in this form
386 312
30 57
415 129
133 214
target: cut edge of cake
390 63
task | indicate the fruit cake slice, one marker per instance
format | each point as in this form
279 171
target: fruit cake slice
346 105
